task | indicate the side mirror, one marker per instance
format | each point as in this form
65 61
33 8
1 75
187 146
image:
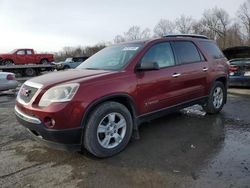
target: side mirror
148 65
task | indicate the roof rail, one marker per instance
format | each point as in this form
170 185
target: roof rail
187 35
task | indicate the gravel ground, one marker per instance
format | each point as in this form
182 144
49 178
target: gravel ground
184 149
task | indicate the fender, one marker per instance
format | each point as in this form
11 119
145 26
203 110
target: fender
95 103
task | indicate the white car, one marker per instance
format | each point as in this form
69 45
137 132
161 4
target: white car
7 81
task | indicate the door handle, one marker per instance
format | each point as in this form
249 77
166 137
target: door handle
175 75
205 69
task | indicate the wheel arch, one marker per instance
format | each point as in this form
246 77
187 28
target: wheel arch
7 59
122 98
44 58
223 79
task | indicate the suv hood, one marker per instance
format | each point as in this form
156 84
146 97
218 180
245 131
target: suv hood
66 76
5 55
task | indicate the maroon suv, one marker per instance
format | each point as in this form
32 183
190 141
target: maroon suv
99 104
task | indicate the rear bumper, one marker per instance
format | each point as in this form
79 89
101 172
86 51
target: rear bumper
239 81
9 85
66 139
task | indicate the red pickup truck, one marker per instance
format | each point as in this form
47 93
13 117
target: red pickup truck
25 56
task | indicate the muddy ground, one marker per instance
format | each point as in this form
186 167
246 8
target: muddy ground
184 149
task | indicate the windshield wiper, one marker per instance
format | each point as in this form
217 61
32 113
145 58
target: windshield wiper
92 68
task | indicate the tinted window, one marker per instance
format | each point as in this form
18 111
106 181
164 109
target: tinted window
212 49
160 53
79 59
186 52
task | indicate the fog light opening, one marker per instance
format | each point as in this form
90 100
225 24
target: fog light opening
49 122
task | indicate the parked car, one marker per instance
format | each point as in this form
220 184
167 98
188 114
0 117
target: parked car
99 104
239 72
25 56
70 63
7 81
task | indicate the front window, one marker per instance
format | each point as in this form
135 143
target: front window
160 53
112 58
20 52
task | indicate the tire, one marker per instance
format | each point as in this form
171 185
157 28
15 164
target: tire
66 67
8 62
101 132
44 62
216 98
30 72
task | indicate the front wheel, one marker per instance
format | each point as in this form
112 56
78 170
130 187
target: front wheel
216 98
8 62
108 130
44 62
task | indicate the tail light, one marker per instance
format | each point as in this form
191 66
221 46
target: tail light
233 69
10 77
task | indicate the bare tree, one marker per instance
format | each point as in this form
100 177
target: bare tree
135 33
224 21
244 15
146 34
184 24
77 51
216 22
234 36
164 27
119 39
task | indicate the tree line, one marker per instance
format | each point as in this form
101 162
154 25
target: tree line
215 23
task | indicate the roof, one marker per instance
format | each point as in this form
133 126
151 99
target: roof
187 35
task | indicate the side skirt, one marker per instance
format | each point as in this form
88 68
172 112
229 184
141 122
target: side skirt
162 112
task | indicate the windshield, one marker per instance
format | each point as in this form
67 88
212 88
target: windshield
13 51
112 58
69 59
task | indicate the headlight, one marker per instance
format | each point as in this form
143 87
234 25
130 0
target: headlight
61 93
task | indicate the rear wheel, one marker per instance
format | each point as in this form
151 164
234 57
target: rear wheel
216 99
44 61
66 67
30 72
108 130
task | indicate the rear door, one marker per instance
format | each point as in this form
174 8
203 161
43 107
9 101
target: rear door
192 70
30 57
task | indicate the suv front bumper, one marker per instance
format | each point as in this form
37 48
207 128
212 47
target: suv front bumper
66 139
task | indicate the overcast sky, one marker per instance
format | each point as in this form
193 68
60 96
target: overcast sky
49 25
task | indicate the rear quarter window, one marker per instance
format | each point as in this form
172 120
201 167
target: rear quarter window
212 49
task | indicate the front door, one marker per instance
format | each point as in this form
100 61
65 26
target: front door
20 57
158 88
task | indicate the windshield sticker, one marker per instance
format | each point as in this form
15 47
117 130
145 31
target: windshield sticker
130 48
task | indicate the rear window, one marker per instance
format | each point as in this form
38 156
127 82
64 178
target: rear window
240 61
212 49
186 52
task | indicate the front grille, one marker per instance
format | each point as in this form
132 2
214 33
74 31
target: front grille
27 92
